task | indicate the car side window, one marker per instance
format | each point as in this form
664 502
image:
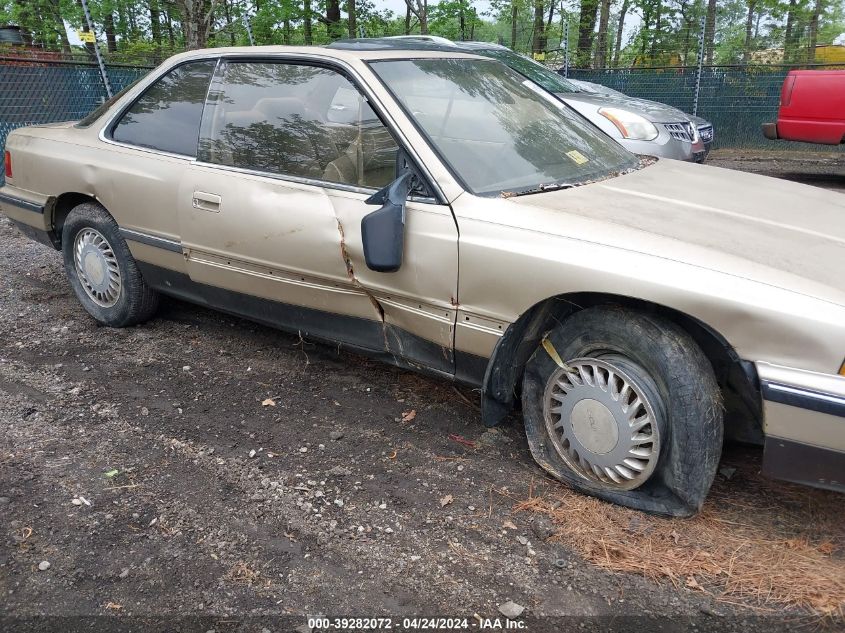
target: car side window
166 116
295 120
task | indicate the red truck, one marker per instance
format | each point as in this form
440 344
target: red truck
812 108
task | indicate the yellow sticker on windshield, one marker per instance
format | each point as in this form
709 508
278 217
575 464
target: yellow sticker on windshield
577 157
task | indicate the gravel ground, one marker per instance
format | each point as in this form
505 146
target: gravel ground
143 472
822 169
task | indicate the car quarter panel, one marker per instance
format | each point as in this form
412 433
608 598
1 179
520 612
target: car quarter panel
136 186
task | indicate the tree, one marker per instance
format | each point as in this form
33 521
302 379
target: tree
620 27
814 31
197 18
710 32
601 44
306 22
538 41
351 24
789 36
332 20
586 26
420 9
749 26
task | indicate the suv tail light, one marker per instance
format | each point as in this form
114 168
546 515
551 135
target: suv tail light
786 91
7 160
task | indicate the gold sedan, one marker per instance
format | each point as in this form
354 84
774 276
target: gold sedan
445 213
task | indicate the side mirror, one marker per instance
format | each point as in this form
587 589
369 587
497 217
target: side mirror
383 230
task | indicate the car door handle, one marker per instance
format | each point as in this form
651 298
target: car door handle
207 201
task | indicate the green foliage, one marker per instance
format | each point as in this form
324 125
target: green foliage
656 32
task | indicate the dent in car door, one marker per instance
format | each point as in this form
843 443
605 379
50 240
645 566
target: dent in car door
273 210
278 241
417 301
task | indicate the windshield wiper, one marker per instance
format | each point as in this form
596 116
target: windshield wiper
555 186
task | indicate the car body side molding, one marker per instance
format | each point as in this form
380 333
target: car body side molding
151 240
21 203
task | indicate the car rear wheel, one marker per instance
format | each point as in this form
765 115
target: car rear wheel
624 406
102 271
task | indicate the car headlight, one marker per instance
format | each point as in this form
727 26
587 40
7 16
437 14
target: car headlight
631 126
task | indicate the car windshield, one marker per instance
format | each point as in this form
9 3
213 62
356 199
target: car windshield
550 80
497 130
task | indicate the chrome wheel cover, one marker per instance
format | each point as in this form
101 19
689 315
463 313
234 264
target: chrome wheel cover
602 423
96 267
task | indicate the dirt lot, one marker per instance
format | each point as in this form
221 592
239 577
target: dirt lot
143 472
822 169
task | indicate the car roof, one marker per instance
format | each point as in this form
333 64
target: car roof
411 43
331 52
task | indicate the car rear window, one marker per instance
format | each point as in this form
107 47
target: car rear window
167 116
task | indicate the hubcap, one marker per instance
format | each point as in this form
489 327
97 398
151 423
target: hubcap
96 267
602 422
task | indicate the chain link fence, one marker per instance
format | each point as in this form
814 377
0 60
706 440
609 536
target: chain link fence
36 91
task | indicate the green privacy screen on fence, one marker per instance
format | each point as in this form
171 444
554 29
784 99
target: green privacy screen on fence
737 100
45 92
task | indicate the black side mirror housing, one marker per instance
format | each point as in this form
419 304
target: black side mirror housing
383 230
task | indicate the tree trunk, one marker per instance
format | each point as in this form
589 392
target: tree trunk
789 36
814 32
586 24
617 48
538 42
155 23
352 21
407 20
111 39
306 26
423 16
656 33
462 23
229 26
551 15
333 27
286 30
197 17
710 32
687 35
601 44
514 16
749 30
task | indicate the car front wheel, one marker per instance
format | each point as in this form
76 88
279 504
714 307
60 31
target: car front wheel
102 271
625 406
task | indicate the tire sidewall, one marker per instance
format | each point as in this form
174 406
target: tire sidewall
691 439
93 216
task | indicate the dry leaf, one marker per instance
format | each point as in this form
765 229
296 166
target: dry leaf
444 501
269 402
509 525
692 583
407 416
